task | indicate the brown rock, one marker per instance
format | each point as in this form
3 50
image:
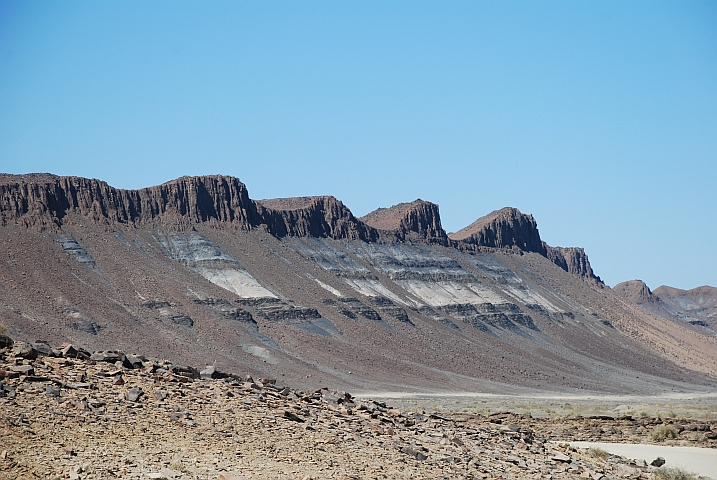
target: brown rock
571 259
635 291
313 217
503 228
415 221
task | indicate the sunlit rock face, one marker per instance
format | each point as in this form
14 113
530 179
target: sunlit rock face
208 260
197 272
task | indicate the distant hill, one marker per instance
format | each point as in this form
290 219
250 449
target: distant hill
696 307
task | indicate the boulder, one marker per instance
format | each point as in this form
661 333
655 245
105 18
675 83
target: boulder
5 341
212 372
24 350
134 394
23 369
109 357
72 351
43 348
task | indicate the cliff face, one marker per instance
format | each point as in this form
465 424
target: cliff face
503 228
416 221
635 291
45 200
167 270
572 259
324 217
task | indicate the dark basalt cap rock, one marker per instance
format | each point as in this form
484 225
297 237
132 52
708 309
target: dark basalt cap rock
504 228
44 200
321 217
571 259
418 220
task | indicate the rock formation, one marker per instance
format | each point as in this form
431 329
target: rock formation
699 304
635 291
46 199
300 287
571 259
323 217
696 308
504 228
416 221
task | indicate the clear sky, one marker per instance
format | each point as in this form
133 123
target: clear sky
599 118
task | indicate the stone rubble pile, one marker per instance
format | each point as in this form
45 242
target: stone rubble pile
69 413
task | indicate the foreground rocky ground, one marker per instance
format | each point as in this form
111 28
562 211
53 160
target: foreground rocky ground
67 414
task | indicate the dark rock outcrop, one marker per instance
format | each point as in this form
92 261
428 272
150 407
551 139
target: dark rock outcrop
504 228
45 200
323 217
416 221
571 259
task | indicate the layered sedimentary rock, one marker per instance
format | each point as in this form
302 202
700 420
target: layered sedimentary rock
194 269
323 217
504 228
47 199
571 259
696 308
415 221
699 304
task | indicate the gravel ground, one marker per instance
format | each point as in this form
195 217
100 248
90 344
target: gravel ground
73 418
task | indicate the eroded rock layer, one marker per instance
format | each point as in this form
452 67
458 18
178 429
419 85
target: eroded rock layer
195 271
504 228
696 308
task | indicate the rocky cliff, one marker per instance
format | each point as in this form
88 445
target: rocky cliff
321 217
47 199
571 259
418 221
504 228
195 271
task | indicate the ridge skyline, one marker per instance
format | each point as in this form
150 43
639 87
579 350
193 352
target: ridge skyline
35 176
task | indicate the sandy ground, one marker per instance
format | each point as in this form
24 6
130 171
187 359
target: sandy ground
702 461
693 405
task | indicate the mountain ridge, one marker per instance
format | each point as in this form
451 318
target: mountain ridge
43 200
196 271
696 307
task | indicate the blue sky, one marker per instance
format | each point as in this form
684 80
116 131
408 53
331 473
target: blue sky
599 118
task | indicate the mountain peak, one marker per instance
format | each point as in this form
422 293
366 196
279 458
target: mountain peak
503 228
419 220
635 291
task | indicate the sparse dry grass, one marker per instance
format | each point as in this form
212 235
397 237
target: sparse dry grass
663 432
3 329
674 474
599 453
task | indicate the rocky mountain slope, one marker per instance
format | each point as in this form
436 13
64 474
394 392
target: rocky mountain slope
696 308
196 271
